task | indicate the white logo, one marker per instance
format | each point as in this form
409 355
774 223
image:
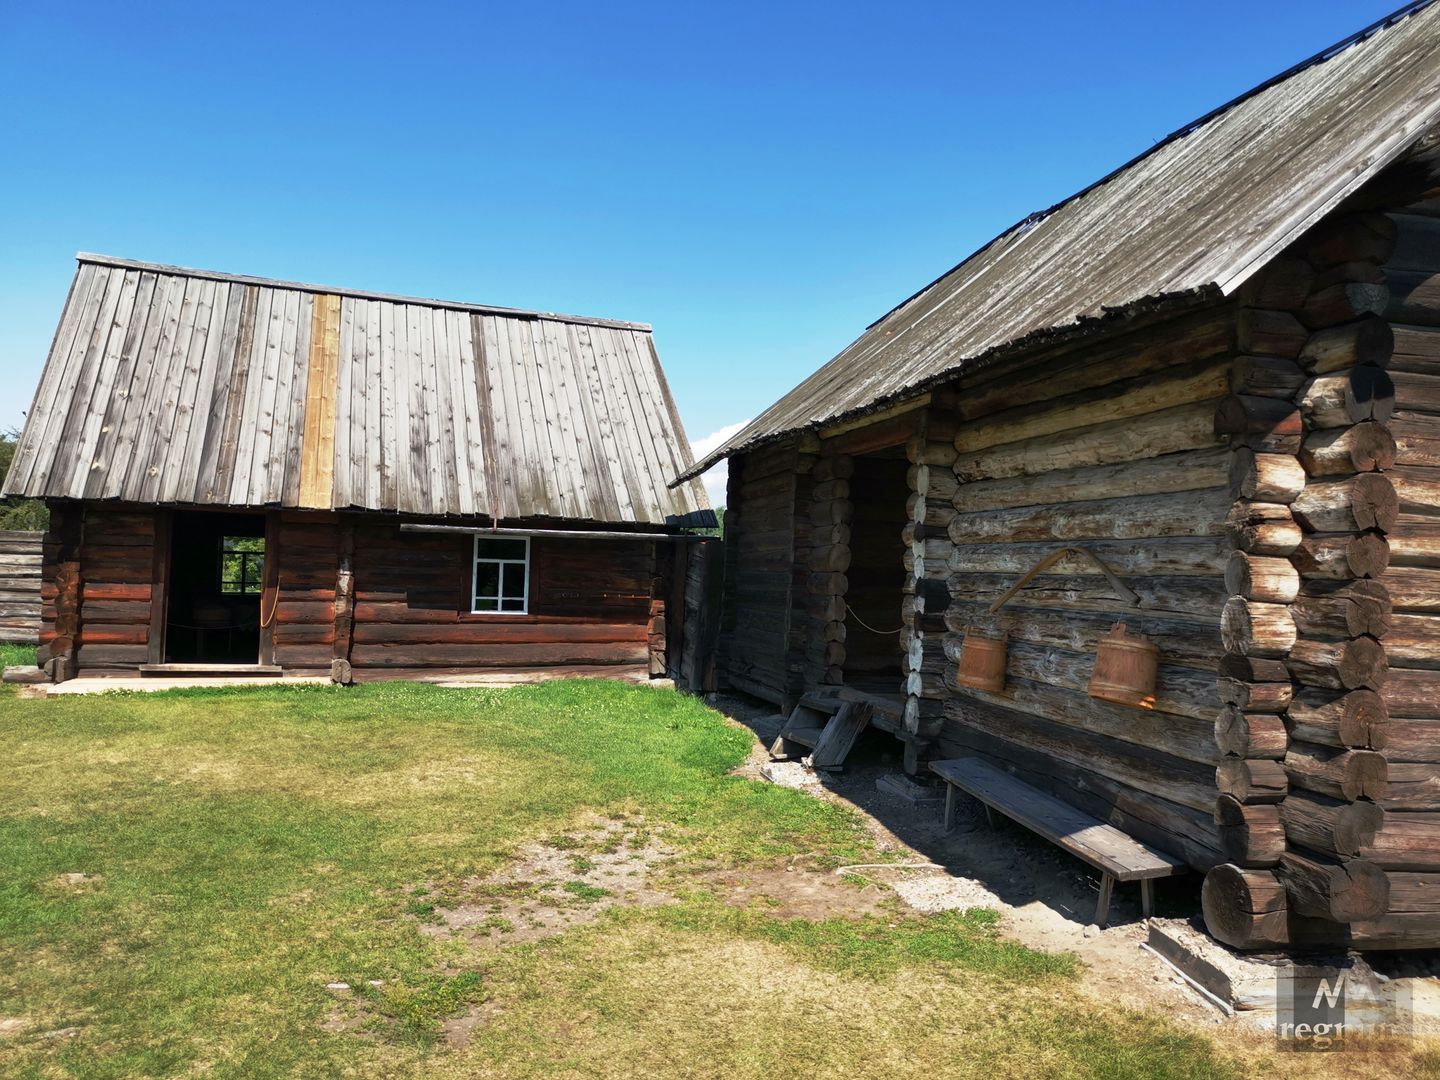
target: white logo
1332 997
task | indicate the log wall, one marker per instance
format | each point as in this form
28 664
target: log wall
20 567
761 648
356 592
1113 448
1338 845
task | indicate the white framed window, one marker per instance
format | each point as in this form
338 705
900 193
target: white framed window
500 582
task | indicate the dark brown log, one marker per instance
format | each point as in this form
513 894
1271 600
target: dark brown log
1342 774
1348 397
1368 341
1343 891
1249 835
834 512
1270 697
1269 333
1352 664
1344 302
1418 394
828 584
1284 285
1340 451
1250 735
837 467
1253 669
1406 841
1350 609
830 489
1412 787
1263 528
1411 693
1245 909
1330 826
1412 741
1256 629
1265 424
1352 503
1161 774
1267 376
1357 719
1251 781
1268 478
1262 577
833 557
1342 556
1363 237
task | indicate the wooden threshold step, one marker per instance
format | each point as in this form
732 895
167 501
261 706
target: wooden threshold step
169 670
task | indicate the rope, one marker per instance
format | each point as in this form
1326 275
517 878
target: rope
266 620
867 626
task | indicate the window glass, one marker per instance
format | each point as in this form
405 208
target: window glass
501 575
242 565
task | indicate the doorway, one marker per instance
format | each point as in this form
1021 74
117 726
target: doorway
217 577
878 490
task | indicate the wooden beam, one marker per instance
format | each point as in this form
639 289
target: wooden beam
317 445
581 534
160 586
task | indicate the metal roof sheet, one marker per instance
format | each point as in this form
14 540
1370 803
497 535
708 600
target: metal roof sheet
1196 215
169 385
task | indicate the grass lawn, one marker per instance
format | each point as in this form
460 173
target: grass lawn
242 849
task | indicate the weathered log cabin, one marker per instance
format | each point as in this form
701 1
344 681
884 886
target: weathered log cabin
254 476
1212 380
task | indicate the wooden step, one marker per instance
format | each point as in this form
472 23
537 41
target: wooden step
805 736
170 670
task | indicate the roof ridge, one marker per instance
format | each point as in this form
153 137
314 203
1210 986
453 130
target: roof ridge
359 294
1036 216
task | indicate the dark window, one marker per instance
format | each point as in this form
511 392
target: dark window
502 575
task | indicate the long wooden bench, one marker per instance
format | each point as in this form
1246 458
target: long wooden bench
1117 855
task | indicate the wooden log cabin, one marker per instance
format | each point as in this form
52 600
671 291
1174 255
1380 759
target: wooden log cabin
262 477
1215 373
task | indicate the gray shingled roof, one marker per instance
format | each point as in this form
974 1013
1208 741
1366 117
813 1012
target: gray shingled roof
1198 214
168 385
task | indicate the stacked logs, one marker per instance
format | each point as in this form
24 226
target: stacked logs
60 610
1303 718
929 511
830 514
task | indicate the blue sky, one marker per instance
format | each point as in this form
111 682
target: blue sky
757 181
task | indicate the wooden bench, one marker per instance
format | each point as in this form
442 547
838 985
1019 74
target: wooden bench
1117 855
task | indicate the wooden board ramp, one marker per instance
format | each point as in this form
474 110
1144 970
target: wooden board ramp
825 727
1117 855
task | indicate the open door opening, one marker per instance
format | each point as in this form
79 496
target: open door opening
876 575
217 576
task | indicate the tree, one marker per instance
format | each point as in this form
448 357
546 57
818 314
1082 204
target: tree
25 514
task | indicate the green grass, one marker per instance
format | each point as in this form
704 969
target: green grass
16 655
244 848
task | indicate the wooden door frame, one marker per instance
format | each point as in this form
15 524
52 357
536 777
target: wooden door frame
160 586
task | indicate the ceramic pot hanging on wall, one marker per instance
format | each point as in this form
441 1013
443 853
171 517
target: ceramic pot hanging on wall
1125 669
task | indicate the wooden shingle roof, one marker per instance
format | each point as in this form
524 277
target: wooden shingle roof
1193 217
169 385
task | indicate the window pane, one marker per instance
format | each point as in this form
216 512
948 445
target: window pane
487 579
500 549
514 581
485 603
512 605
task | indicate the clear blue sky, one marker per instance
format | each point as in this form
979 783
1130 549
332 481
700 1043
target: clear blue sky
758 181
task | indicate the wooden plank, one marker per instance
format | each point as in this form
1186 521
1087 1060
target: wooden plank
840 735
317 454
1101 845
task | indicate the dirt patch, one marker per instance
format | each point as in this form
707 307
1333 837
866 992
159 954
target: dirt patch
459 1030
554 886
790 891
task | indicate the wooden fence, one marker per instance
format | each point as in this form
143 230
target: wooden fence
20 586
